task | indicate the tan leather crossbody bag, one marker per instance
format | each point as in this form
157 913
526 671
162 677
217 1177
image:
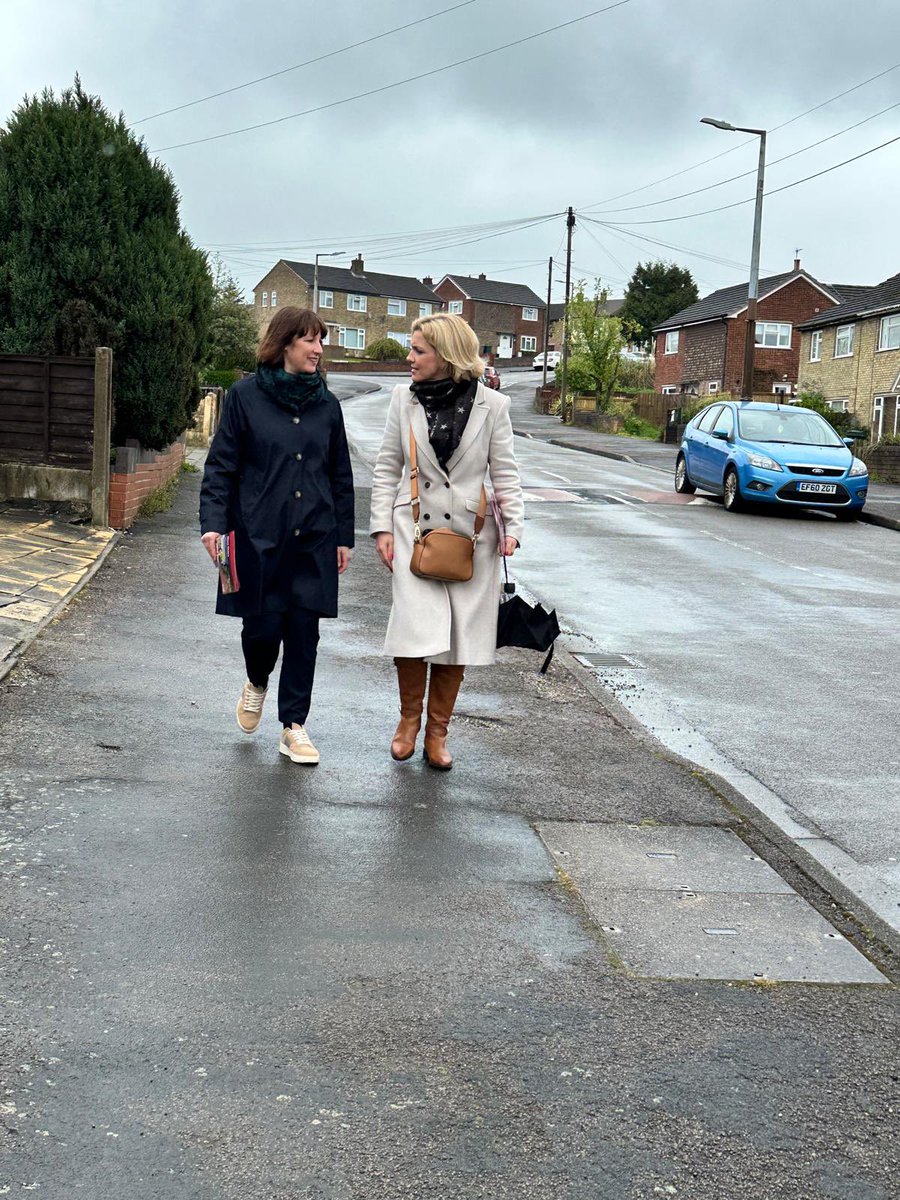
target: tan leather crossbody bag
441 554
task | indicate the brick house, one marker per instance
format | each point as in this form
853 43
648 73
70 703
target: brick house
557 322
851 353
507 317
700 350
357 305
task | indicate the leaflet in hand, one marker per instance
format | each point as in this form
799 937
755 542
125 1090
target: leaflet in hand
225 560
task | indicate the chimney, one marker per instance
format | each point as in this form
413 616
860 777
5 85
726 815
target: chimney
358 267
428 281
796 265
482 275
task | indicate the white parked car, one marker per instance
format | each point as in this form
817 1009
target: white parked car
554 358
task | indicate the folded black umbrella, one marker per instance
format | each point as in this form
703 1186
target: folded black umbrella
521 624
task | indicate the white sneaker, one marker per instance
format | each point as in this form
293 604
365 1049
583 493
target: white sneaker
298 747
250 706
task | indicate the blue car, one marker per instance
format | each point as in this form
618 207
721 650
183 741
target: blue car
752 453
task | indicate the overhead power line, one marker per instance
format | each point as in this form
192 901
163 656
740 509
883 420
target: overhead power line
749 141
307 63
398 83
773 192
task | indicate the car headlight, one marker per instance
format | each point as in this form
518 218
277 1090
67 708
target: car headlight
857 467
763 462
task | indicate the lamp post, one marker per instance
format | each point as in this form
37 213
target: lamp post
753 290
321 254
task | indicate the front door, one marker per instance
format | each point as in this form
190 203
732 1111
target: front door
506 345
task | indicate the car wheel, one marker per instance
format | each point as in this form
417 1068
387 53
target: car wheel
682 480
734 501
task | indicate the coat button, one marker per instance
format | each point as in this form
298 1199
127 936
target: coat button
296 420
428 485
296 533
298 457
446 485
297 495
446 516
426 516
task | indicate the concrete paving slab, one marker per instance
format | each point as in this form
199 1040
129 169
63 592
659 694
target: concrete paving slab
687 902
666 858
755 937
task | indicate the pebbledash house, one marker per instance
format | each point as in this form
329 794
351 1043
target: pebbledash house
700 350
357 305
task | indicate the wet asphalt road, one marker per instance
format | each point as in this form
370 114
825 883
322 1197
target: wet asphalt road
769 640
227 977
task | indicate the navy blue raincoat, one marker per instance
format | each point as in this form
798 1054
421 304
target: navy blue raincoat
280 478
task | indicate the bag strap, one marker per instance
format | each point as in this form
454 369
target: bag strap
414 494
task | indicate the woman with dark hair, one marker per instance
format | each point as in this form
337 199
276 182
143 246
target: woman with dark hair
278 478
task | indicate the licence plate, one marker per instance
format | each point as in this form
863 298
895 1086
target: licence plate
823 489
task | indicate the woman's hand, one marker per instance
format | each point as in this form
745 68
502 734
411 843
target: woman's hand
510 546
211 542
344 556
384 544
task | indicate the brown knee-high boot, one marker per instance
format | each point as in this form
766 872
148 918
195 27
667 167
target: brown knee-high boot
411 673
442 692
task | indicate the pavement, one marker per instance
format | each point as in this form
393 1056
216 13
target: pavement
882 506
46 558
566 969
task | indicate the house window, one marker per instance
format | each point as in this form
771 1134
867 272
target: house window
527 344
843 341
274 299
326 299
889 333
774 334
713 387
529 314
352 339
329 330
670 391
265 300
815 346
782 389
839 405
672 341
455 307
405 339
425 310
396 308
356 303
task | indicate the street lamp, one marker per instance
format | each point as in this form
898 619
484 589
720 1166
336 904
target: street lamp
753 290
321 254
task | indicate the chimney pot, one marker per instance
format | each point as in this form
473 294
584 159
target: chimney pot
358 267
482 275
796 264
428 281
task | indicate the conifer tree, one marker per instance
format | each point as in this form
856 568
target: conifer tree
92 253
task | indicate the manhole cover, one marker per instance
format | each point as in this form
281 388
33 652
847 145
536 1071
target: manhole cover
607 660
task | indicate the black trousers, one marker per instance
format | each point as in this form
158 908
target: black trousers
263 636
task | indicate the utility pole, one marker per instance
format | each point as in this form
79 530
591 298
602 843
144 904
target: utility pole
547 320
563 404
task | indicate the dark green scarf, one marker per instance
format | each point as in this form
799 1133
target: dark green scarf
298 392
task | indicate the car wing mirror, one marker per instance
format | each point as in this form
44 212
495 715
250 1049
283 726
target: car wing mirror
721 435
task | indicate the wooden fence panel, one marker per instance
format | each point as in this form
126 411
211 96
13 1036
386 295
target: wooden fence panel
47 411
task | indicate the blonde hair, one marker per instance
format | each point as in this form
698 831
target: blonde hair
455 341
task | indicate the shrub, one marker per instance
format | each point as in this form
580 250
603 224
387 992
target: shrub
222 379
386 350
92 253
638 427
841 422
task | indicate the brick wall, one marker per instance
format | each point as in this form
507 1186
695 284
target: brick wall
796 302
490 320
669 367
703 355
135 474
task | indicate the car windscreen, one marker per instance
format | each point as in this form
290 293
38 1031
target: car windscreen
783 425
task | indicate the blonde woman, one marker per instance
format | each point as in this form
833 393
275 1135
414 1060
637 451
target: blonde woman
463 437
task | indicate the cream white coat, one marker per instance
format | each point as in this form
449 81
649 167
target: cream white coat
446 622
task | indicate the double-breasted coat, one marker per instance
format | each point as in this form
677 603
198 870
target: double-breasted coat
446 622
280 478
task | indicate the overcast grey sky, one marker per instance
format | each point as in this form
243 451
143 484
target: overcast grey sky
577 117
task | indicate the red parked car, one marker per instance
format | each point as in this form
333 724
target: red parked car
490 378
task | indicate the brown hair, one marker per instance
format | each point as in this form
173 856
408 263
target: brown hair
287 324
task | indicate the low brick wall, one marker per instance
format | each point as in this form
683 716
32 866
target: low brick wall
884 462
135 474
